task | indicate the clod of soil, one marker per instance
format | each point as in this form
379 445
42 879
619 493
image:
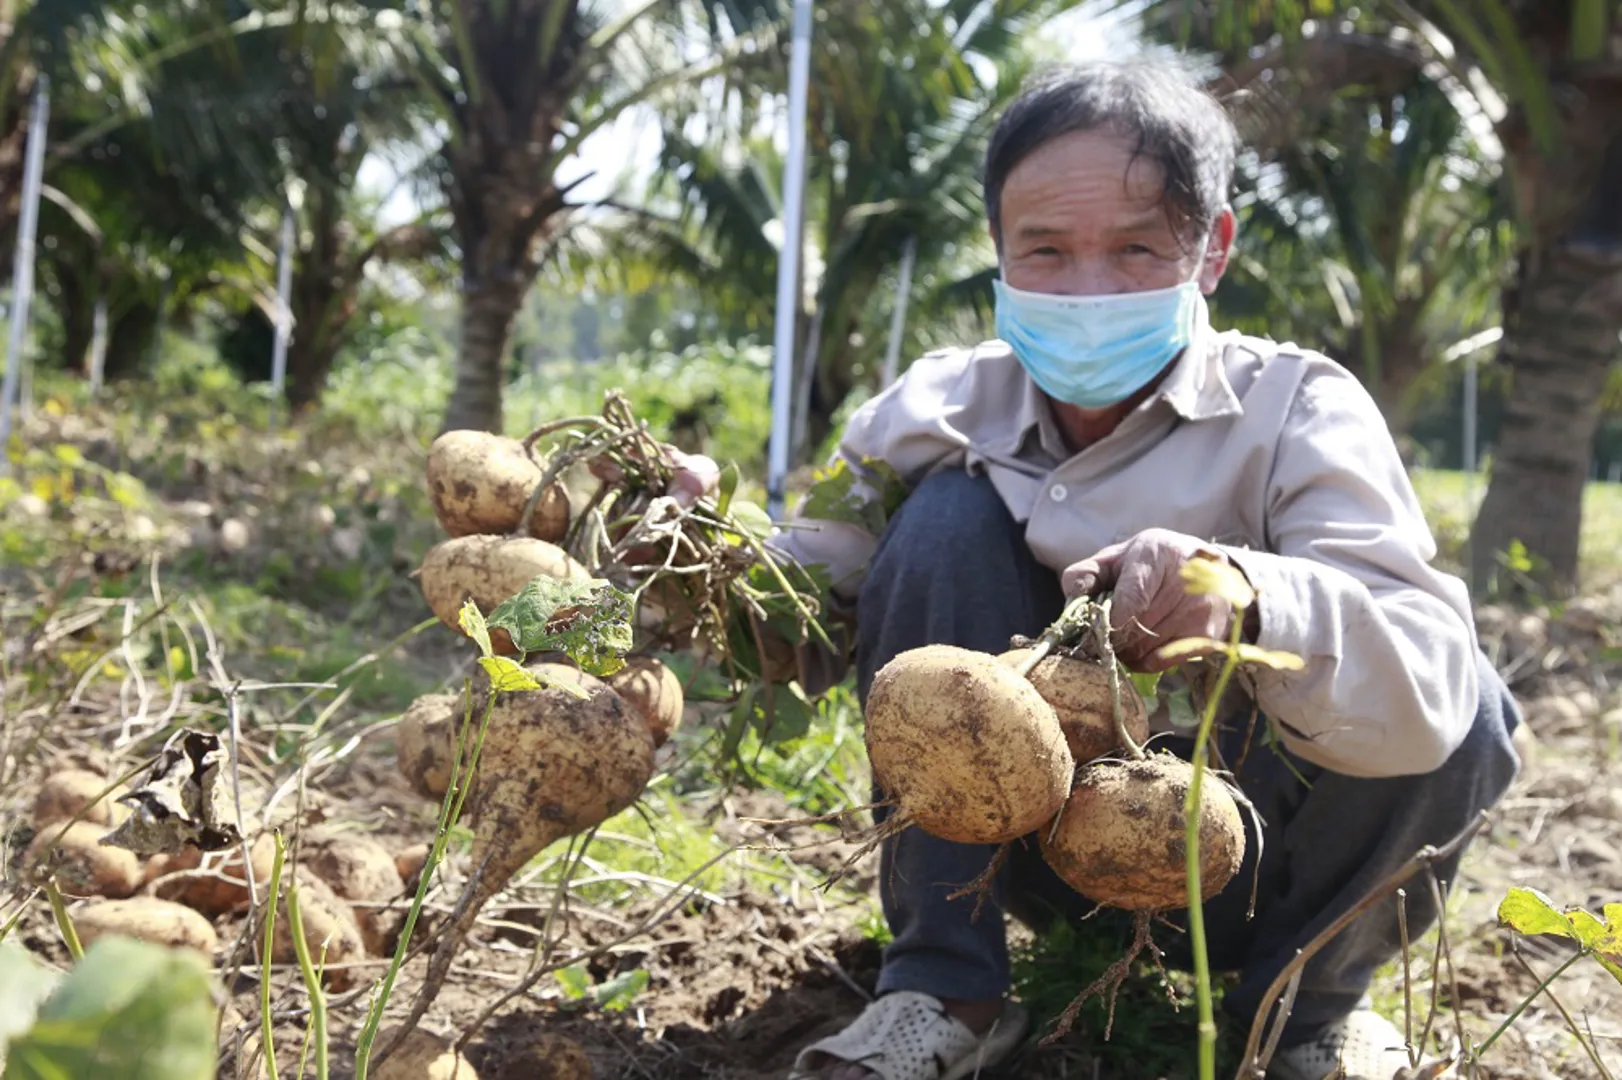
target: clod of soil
550 1057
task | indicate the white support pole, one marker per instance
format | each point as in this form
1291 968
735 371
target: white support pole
788 262
284 306
1470 414
22 273
98 345
898 317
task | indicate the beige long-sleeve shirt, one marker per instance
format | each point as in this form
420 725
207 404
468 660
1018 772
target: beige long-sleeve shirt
1272 453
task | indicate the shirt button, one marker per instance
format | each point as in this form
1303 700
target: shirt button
1058 492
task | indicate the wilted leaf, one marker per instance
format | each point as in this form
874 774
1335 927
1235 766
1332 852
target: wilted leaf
506 675
129 1009
472 622
1214 577
618 993
185 799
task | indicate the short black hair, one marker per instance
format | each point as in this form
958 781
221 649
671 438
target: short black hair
1153 101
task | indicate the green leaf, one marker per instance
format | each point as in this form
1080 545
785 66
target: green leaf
506 675
129 1009
574 982
471 620
1528 911
731 477
1146 683
752 519
1180 708
834 495
589 620
781 713
25 983
619 992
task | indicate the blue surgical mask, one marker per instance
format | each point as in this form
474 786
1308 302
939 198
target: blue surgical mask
1096 351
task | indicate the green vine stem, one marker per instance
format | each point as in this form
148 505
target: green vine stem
268 1027
1191 845
64 924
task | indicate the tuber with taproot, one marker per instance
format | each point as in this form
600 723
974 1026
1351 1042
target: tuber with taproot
1121 838
146 918
489 570
421 1056
1083 698
64 794
480 483
81 864
967 748
552 764
654 691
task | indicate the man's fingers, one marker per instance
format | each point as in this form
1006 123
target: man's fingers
1095 575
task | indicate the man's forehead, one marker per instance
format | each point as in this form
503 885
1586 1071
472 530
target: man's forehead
1050 221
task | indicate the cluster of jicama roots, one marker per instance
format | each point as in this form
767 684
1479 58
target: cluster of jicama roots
557 761
986 749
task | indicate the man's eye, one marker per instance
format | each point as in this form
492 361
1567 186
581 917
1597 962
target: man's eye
1138 249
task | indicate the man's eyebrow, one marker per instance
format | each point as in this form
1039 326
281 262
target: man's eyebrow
1039 230
1149 219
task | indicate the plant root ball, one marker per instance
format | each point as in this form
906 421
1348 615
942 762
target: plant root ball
1081 696
1120 839
65 793
489 570
480 483
146 918
361 871
968 748
422 1056
425 743
549 1057
81 863
654 691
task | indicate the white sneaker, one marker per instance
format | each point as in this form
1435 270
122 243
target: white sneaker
1364 1046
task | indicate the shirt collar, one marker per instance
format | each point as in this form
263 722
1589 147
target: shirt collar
1196 388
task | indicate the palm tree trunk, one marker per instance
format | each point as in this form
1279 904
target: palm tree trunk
489 307
1558 346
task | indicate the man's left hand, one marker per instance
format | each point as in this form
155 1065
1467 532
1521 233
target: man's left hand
1150 606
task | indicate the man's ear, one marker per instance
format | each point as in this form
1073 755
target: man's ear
1218 250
